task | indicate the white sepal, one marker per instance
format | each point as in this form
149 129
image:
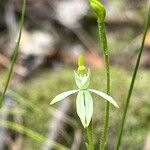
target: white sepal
105 96
63 96
80 105
88 107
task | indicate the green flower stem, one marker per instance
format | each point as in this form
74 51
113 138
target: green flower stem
15 54
100 11
103 42
132 84
90 136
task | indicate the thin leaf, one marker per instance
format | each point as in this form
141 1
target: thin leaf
81 107
63 96
88 107
32 134
87 145
105 96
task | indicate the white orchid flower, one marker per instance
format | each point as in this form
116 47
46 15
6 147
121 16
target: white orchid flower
84 101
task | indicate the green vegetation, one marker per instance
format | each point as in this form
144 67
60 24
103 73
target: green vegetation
33 97
124 115
135 130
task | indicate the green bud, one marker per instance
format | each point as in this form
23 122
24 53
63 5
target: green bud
81 67
99 9
81 60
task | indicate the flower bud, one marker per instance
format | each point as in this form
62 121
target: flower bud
81 60
99 9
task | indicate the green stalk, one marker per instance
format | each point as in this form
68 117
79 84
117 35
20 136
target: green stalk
90 137
100 11
15 54
132 83
103 41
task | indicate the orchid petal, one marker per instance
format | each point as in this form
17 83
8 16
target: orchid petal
81 107
88 107
63 96
82 82
105 96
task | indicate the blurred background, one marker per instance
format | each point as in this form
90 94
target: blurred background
54 34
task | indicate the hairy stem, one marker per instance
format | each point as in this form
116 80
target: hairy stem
132 84
103 42
15 54
90 136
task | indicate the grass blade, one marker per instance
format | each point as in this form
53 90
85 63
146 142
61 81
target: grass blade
32 134
15 54
132 83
